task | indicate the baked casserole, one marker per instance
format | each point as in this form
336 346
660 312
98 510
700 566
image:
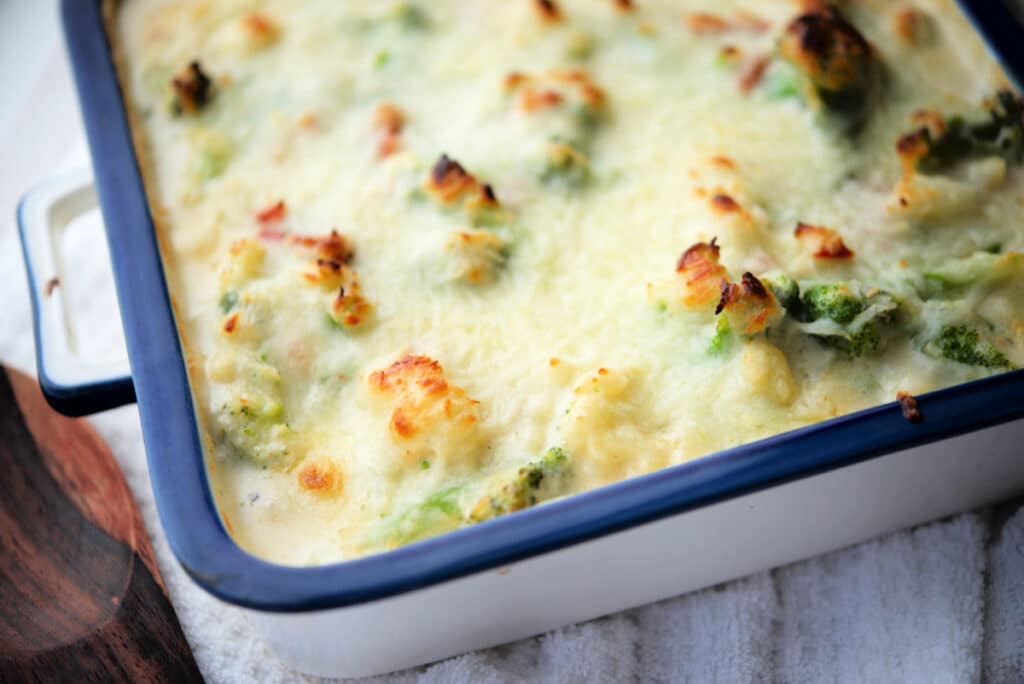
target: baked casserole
436 262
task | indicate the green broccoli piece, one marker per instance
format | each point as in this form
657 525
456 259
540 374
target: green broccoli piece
835 301
782 81
566 165
566 159
228 301
981 267
440 512
537 481
837 64
786 291
723 337
411 17
252 420
846 318
214 151
963 344
1000 135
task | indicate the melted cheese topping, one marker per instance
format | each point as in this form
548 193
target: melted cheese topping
512 185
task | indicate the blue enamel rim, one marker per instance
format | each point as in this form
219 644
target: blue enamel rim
176 465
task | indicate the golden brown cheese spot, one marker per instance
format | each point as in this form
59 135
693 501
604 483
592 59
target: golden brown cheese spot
705 22
192 88
531 100
930 119
350 308
730 54
702 274
422 399
554 88
911 147
388 120
724 204
823 242
753 72
449 181
273 213
319 476
327 272
623 5
548 10
912 25
709 23
483 198
260 29
826 47
724 162
333 246
750 306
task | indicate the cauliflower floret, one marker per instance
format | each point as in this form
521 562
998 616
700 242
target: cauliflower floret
749 305
918 196
248 410
766 372
245 262
430 417
474 257
606 420
698 282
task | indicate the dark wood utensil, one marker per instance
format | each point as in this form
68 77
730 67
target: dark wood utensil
81 598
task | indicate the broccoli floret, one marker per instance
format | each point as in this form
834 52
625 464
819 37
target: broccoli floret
439 512
1000 135
566 165
786 290
228 301
535 482
411 17
980 268
252 420
963 344
837 63
844 317
835 301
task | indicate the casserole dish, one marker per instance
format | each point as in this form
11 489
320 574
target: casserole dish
576 558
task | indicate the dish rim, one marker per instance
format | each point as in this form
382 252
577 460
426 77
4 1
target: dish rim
177 465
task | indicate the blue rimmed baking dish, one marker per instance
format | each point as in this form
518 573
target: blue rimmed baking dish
688 526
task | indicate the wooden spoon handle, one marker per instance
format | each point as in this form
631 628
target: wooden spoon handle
81 598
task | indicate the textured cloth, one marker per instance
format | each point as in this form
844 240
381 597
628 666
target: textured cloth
941 603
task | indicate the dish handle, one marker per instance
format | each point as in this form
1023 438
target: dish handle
73 385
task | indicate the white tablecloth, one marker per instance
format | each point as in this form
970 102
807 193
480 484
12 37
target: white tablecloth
940 603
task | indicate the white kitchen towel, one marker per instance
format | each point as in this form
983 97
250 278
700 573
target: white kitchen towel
941 603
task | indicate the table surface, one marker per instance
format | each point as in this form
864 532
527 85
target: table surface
943 602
